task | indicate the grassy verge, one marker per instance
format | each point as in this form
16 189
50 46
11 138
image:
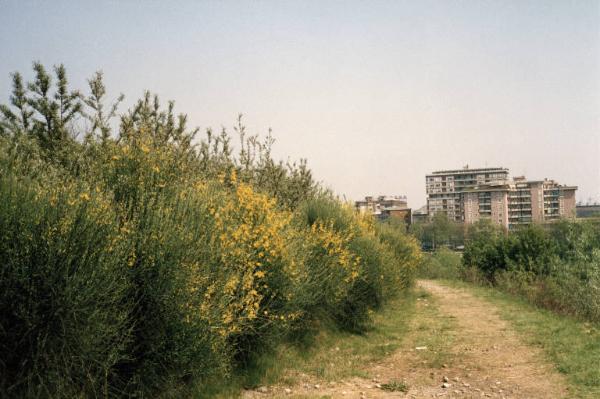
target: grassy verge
572 345
435 331
330 355
410 321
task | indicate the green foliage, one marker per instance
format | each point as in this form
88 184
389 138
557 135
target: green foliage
439 232
64 316
395 386
531 249
42 110
575 240
146 262
403 251
327 209
442 264
485 248
554 267
383 262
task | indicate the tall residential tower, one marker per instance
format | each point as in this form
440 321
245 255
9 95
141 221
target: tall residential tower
445 188
469 195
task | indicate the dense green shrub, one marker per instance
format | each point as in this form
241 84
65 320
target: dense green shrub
442 264
64 316
404 252
137 263
378 263
575 240
439 232
485 248
554 266
571 288
529 249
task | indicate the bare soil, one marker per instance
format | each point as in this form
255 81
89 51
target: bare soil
483 357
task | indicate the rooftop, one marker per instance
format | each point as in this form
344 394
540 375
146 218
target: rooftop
466 170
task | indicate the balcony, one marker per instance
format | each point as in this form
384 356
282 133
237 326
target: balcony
523 216
513 194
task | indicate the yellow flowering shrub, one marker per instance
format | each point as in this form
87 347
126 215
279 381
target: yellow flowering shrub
240 285
60 241
211 268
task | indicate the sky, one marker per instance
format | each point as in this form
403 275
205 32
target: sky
374 94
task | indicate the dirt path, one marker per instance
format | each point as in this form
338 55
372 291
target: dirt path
458 347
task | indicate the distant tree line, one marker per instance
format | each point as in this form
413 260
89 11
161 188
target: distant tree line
439 232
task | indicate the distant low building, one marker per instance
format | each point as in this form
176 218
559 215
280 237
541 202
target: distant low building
385 206
420 215
375 205
587 211
404 214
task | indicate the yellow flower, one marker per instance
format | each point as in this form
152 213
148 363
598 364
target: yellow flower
84 196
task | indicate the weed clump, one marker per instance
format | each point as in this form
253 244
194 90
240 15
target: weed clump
395 386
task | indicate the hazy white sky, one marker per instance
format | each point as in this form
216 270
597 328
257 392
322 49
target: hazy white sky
374 94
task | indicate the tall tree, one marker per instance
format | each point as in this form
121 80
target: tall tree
99 117
19 121
51 112
67 103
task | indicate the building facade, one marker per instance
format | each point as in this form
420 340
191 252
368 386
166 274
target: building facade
375 205
420 215
489 194
588 211
385 206
488 201
445 188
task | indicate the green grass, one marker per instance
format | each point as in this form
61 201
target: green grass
335 354
395 386
441 264
435 331
412 320
330 355
572 346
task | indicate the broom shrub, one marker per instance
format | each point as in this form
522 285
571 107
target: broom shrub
147 262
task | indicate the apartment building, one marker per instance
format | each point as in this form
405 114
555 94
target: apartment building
376 205
445 188
506 202
488 201
385 206
558 200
